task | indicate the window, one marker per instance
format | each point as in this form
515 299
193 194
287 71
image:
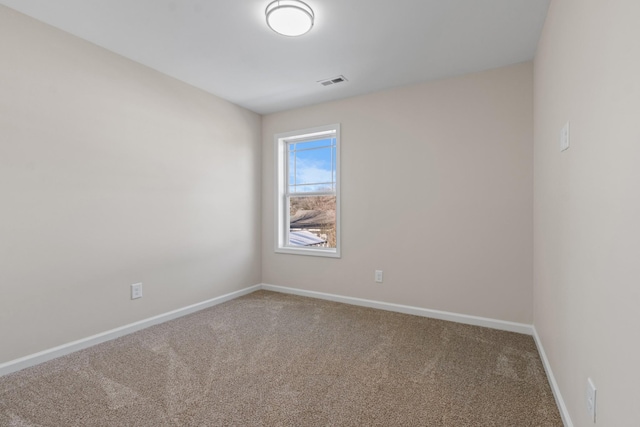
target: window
308 193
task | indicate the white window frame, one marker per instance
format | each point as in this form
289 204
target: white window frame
282 216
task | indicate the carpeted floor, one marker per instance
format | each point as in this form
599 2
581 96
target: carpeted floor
269 359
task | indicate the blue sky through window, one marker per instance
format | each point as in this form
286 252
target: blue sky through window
312 165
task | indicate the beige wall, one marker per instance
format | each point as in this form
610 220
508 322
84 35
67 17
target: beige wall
437 187
111 174
587 205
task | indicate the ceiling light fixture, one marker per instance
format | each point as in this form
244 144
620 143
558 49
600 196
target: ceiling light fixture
289 17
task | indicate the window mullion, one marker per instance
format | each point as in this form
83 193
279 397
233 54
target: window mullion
287 219
295 166
312 194
313 137
333 178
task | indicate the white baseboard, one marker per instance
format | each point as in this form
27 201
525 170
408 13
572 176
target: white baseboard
564 412
417 311
43 356
52 353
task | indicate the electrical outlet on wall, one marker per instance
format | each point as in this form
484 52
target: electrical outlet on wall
136 291
378 276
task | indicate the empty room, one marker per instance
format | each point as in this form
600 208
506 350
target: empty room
319 213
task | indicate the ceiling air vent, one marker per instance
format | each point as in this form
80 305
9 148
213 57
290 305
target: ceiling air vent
332 81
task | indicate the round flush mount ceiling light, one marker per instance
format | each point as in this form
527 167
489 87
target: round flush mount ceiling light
289 17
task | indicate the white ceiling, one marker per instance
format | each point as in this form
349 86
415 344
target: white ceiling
225 47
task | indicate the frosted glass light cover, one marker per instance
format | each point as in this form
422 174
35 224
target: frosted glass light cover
289 17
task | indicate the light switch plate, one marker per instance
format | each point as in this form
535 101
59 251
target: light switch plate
591 399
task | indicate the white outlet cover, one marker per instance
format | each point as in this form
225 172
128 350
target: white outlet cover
136 291
378 276
564 137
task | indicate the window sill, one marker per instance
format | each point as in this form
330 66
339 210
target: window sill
329 253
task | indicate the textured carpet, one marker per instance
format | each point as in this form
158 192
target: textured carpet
268 359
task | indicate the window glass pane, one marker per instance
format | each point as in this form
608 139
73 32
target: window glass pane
324 188
312 221
311 165
316 162
291 167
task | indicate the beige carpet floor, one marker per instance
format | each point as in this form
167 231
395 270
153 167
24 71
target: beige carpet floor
268 359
